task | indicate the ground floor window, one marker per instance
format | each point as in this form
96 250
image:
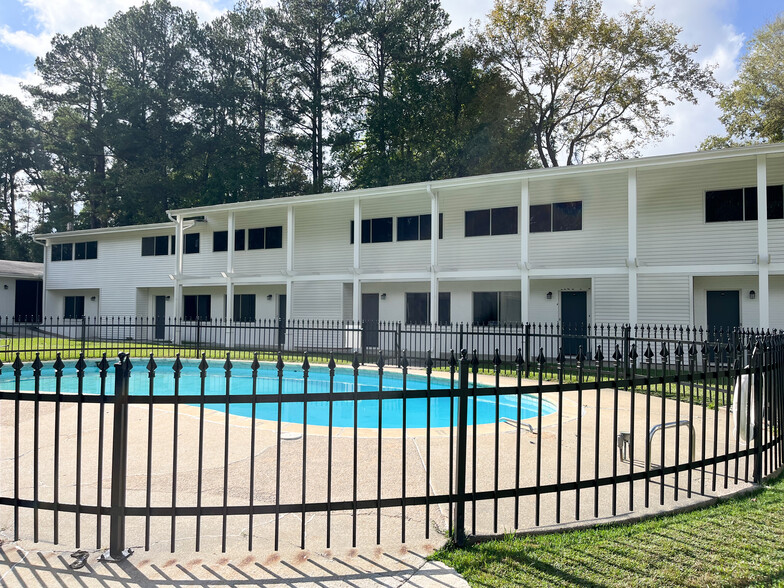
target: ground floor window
418 308
74 307
245 308
197 307
493 308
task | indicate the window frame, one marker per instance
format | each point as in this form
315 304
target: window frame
74 302
244 301
198 300
192 243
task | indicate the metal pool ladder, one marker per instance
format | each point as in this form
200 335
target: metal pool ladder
624 437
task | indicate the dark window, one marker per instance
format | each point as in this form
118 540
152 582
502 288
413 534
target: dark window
162 245
239 240
57 252
477 223
568 216
244 307
74 307
417 308
425 227
273 238
724 205
775 202
80 250
381 230
750 204
485 308
444 308
540 218
92 249
509 307
255 238
67 251
366 231
220 241
197 308
504 221
192 243
408 228
148 246
173 245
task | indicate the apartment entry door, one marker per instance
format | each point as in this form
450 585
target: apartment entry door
723 309
370 320
281 319
574 322
160 317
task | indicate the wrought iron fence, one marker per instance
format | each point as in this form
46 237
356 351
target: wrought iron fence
173 465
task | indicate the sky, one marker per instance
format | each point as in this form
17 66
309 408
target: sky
719 27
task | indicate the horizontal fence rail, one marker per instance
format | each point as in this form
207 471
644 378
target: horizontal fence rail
183 444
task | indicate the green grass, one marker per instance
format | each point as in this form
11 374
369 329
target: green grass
735 543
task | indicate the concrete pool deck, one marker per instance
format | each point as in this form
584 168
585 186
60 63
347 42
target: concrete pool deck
394 563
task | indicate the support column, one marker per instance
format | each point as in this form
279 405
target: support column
289 240
230 269
356 294
178 249
434 224
762 242
631 260
525 280
43 282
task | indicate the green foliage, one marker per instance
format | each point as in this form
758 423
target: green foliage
736 543
593 87
753 106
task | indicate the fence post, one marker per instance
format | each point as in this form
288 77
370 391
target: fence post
122 373
759 364
84 332
462 449
527 349
627 344
397 343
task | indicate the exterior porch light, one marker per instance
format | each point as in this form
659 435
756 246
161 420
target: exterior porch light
549 296
269 296
752 294
384 296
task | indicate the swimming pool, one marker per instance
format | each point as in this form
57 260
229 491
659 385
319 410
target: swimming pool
292 412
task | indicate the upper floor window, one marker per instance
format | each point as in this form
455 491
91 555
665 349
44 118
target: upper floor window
741 204
418 228
157 245
375 230
558 216
491 221
192 243
265 238
70 251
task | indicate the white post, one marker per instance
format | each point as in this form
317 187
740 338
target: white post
356 294
43 282
178 249
631 262
289 240
525 279
433 256
762 242
230 269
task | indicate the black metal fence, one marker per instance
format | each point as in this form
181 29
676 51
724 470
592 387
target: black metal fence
178 466
342 339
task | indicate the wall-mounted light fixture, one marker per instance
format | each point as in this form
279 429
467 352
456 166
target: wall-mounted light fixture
752 294
549 296
5 286
384 296
269 296
92 298
168 298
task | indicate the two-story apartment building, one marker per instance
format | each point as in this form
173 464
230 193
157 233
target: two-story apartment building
695 238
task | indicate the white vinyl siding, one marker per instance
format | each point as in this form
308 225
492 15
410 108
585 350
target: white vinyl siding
664 299
322 238
603 240
321 300
611 299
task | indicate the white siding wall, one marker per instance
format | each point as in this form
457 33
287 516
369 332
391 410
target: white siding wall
543 310
777 302
322 237
603 238
7 298
456 251
664 299
775 167
395 256
611 299
671 207
321 300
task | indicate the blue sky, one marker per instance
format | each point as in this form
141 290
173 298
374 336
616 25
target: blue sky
720 27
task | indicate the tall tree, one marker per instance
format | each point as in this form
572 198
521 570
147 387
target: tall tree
753 107
314 33
21 158
595 87
74 91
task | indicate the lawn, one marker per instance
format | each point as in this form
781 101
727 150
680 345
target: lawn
736 543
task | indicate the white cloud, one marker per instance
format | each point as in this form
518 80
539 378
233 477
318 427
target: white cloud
12 85
25 41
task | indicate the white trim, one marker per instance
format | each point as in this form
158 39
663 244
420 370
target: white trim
632 244
729 269
763 285
290 227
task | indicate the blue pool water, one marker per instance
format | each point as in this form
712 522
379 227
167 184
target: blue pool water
292 412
